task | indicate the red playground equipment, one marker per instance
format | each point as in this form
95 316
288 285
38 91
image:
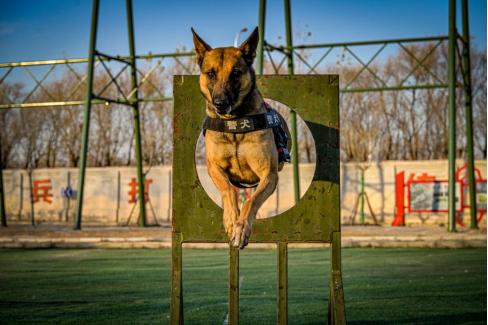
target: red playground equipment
425 193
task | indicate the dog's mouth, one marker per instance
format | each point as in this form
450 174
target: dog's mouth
223 110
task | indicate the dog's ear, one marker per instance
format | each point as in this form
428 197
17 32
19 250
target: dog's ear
200 46
248 47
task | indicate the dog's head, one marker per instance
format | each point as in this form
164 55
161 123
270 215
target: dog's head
227 76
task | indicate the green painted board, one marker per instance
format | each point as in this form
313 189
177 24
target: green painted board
196 218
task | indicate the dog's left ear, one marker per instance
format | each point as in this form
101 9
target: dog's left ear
248 47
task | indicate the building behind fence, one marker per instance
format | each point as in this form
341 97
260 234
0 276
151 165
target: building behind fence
111 193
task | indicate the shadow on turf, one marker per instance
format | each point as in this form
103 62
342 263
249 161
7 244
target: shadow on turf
475 317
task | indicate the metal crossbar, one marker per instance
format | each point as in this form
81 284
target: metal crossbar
5 75
420 63
145 78
365 66
39 84
348 86
113 80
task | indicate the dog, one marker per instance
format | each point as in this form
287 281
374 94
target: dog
245 159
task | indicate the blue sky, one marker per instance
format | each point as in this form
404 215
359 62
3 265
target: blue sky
36 30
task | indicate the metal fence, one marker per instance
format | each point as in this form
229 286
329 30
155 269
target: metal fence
281 59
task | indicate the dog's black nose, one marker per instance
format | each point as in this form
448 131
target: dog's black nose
221 103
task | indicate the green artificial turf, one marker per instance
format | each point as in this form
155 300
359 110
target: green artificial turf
382 286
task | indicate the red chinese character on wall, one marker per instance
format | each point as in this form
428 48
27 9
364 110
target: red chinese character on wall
41 190
134 188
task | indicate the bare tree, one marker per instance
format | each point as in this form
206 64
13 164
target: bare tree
410 124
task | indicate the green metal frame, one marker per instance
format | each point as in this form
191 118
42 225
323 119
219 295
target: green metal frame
261 25
3 214
69 63
315 218
469 113
451 116
132 99
289 52
293 115
384 85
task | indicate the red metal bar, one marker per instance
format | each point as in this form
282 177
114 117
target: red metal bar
400 200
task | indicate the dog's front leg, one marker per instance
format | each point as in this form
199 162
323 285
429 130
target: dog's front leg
243 225
229 197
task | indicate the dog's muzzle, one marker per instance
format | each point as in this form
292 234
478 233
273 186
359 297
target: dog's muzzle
222 105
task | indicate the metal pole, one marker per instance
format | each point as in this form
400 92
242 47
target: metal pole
86 119
452 115
135 111
293 115
32 203
361 211
261 26
469 114
3 214
236 38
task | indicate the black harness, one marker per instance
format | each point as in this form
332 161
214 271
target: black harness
244 124
268 120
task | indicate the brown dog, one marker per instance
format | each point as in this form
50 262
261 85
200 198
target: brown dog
227 81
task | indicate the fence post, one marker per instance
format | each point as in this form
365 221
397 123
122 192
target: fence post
469 114
176 280
119 191
86 118
3 214
452 116
21 195
32 203
233 285
261 26
67 199
361 211
293 114
134 99
282 283
337 307
170 190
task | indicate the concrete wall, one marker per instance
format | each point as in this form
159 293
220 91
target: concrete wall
109 193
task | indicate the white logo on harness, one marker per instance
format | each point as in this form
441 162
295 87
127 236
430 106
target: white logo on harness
272 119
245 124
232 125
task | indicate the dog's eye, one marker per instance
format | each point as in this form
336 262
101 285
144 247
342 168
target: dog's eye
211 74
236 73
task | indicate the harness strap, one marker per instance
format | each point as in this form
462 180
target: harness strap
268 120
244 124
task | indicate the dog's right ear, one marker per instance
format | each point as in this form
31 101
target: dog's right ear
200 46
248 47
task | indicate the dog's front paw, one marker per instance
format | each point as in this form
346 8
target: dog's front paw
229 229
240 235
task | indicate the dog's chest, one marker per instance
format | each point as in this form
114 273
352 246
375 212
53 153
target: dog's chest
230 148
236 153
